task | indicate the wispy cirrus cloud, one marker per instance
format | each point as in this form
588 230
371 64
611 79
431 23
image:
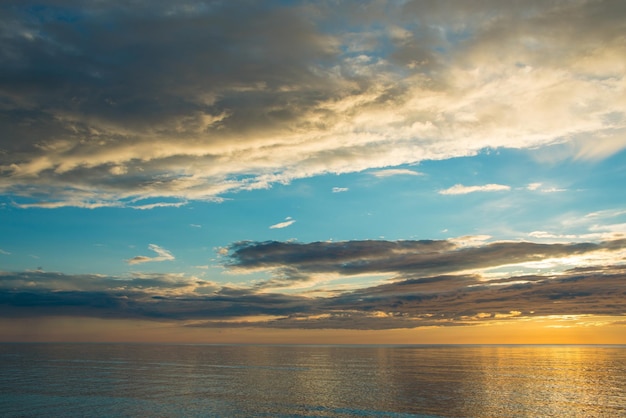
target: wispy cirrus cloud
287 222
606 214
162 255
395 172
604 225
461 189
159 205
340 189
90 123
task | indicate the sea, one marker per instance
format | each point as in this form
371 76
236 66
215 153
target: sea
156 380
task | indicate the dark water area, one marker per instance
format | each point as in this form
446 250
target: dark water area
133 380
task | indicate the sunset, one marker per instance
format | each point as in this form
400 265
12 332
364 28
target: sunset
313 172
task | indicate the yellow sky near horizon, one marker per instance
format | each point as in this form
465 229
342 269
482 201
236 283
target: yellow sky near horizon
541 330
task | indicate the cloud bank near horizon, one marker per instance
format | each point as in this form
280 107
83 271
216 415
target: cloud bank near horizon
428 283
149 105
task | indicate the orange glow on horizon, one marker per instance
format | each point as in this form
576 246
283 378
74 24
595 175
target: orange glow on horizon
549 330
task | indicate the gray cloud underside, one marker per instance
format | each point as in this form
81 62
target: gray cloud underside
422 258
152 297
464 300
411 300
107 103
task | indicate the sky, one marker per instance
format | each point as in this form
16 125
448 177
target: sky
382 171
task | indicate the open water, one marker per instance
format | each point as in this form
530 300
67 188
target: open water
132 380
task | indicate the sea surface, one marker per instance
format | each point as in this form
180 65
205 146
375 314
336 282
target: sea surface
134 380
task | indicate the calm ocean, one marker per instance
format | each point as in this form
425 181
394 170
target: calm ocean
131 380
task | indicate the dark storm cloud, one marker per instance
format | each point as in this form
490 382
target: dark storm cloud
104 102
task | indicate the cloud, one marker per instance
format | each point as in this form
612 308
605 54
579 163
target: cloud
235 99
604 225
466 298
150 296
460 189
288 221
410 300
159 205
538 187
408 258
395 172
549 235
432 301
340 189
160 284
607 143
469 240
553 190
70 203
4 252
603 214
162 255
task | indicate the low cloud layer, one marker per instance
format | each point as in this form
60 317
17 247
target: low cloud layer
146 104
426 287
422 258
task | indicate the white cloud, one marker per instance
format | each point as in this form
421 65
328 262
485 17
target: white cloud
395 172
470 240
308 109
553 190
605 145
609 213
4 252
549 235
340 189
461 189
118 170
159 205
73 202
614 228
288 221
543 189
162 255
